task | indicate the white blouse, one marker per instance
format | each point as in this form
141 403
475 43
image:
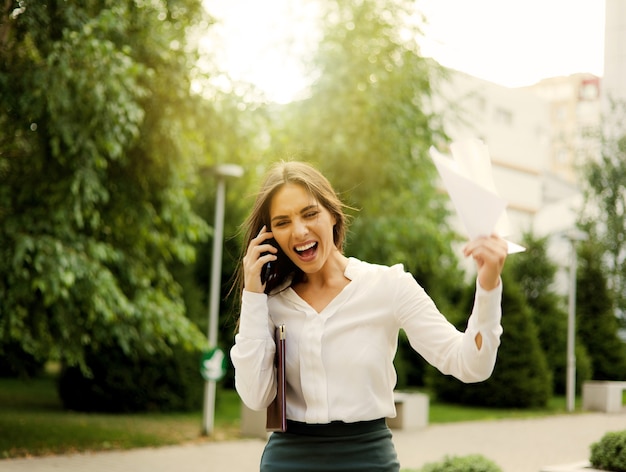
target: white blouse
340 361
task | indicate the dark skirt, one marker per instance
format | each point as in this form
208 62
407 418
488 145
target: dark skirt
334 447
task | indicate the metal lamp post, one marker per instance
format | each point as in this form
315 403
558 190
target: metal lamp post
570 385
221 172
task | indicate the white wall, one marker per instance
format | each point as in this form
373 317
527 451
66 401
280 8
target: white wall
614 80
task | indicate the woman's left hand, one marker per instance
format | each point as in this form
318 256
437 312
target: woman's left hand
489 254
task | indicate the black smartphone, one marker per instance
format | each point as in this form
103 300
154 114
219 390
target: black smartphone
269 272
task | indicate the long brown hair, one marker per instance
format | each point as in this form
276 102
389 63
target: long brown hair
318 186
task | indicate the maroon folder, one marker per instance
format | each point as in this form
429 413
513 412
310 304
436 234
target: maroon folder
277 410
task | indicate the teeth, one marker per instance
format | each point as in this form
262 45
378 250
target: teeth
305 247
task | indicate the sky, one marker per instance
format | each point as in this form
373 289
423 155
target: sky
508 42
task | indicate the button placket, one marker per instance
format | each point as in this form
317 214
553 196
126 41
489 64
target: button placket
313 374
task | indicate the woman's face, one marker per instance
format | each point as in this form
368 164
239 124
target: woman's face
302 227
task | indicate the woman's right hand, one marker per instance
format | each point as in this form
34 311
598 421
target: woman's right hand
258 254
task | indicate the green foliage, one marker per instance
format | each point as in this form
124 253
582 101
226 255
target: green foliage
229 135
94 202
521 378
610 452
597 325
14 362
121 384
535 273
469 463
604 179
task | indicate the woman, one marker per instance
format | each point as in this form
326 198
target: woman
342 319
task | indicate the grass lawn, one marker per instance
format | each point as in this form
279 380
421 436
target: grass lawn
447 413
33 423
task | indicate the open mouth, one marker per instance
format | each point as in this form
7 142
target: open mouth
306 251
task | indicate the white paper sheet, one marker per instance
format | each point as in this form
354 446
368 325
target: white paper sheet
468 178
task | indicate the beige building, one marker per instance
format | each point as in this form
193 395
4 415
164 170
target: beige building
538 137
514 123
575 116
575 112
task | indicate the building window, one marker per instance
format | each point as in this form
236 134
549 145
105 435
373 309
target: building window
589 89
562 157
503 116
560 112
481 103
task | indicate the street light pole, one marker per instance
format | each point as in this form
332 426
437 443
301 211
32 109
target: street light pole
570 385
221 172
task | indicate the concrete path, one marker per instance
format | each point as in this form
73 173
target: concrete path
525 445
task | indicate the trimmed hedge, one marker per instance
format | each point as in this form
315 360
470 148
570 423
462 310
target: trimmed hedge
470 463
120 384
610 452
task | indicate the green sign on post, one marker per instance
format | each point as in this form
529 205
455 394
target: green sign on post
213 364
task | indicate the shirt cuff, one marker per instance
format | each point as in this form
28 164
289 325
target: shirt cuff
254 319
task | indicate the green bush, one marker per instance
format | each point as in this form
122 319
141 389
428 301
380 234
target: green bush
597 325
471 463
15 362
610 452
536 273
122 384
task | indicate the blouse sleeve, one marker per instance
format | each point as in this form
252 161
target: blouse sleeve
451 351
253 353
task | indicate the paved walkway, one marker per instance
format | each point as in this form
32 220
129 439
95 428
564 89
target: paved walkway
525 445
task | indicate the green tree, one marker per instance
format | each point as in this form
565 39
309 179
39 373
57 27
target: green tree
96 120
597 325
232 130
536 273
604 179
